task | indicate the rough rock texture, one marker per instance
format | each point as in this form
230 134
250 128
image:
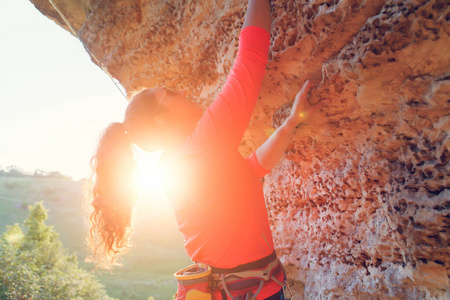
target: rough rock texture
360 204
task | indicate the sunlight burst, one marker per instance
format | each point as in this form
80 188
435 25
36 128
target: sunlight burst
151 184
150 175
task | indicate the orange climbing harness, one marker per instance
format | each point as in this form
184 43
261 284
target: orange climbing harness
201 282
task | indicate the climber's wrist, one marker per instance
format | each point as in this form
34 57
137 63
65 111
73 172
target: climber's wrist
290 124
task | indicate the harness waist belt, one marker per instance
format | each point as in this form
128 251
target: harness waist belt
243 280
261 263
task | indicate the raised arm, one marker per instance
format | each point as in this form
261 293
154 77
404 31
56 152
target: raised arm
258 14
224 122
270 152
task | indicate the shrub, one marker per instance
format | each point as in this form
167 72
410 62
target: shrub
34 265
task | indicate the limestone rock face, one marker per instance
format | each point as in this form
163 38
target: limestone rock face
360 203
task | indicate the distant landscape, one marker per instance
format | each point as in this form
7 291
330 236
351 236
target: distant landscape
147 269
14 171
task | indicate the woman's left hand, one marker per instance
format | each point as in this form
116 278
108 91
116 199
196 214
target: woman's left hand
301 110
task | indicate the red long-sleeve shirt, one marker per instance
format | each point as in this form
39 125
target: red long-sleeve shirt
217 197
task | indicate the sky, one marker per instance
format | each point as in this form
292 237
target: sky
54 101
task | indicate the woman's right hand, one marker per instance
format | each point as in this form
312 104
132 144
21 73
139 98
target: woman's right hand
270 152
301 109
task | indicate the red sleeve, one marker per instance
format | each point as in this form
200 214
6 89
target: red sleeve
223 124
260 172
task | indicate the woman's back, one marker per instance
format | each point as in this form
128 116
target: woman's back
217 197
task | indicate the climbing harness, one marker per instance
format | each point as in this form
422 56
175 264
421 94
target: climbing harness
202 282
100 64
239 285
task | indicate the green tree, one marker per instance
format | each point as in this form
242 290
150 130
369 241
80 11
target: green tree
34 265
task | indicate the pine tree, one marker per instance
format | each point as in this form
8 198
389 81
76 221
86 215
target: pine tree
34 265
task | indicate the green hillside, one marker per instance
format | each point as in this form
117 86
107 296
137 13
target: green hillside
147 269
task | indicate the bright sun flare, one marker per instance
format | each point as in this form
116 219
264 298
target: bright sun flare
155 179
150 175
151 185
151 182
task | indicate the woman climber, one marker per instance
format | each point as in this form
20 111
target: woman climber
221 212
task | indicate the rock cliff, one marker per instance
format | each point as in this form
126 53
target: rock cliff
360 203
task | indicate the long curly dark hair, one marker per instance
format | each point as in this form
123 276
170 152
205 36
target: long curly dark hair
113 196
112 192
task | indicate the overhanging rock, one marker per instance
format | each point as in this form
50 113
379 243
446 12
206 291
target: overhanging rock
359 205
